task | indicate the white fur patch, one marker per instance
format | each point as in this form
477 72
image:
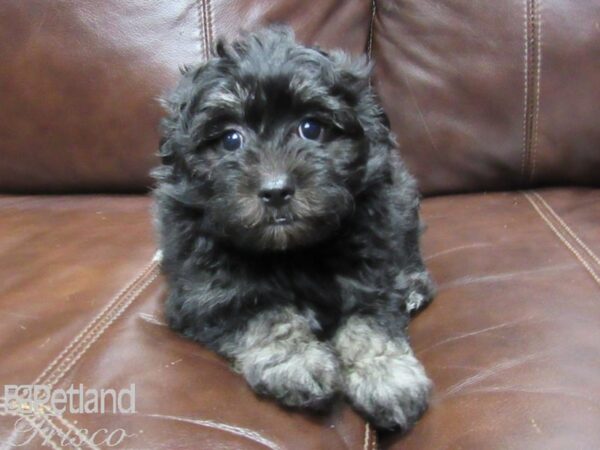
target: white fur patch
381 376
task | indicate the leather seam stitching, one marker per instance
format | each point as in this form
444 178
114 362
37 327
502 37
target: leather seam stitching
537 19
567 228
83 335
374 440
366 442
205 30
525 84
89 335
531 90
204 13
200 28
205 24
563 239
97 334
370 438
210 27
371 30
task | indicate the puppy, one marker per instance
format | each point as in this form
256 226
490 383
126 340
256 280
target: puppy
289 227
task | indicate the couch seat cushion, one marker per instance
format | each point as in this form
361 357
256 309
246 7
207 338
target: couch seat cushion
80 303
512 340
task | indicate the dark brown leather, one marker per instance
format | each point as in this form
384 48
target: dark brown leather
81 302
481 98
79 79
512 339
482 95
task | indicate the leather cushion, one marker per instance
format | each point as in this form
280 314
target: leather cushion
79 79
511 341
81 302
491 94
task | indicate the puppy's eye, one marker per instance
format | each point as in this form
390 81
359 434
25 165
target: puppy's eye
310 129
232 140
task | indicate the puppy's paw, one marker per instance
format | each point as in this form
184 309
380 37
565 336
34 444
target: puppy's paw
420 292
307 378
392 391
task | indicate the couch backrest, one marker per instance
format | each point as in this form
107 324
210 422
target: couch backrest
492 94
482 95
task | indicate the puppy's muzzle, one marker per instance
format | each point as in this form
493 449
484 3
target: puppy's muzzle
277 190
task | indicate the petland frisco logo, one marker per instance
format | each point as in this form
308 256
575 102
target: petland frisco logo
42 399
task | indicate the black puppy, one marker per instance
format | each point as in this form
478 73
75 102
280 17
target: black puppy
289 227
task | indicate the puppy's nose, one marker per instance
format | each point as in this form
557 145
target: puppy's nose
277 191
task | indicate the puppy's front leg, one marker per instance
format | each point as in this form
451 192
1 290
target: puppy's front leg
381 376
415 278
280 357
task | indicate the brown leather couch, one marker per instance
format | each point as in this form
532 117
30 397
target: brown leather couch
496 105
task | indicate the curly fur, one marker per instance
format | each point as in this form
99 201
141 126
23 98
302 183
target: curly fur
317 306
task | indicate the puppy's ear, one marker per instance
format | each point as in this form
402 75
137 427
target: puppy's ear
177 115
352 80
351 72
384 119
176 101
222 49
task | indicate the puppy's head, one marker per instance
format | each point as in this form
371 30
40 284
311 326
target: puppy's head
272 142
